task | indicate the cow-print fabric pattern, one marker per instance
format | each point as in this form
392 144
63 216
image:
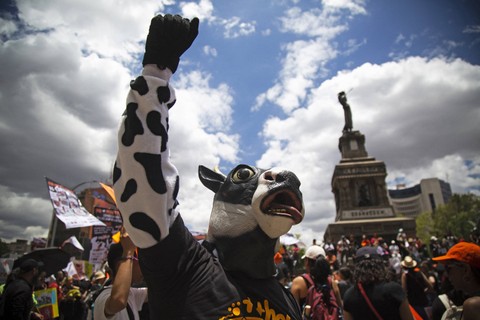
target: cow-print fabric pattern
146 183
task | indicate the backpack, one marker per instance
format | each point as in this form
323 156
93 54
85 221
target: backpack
319 310
452 311
91 303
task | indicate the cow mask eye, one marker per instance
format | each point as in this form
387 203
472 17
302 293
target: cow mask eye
242 174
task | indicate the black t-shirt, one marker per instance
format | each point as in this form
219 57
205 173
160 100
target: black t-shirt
385 297
185 281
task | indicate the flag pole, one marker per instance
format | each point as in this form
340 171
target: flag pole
54 228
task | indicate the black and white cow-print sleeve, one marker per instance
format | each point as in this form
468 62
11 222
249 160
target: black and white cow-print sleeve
145 181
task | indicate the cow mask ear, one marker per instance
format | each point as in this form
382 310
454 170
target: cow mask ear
211 179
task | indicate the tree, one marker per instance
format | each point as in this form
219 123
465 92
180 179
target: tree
458 217
425 226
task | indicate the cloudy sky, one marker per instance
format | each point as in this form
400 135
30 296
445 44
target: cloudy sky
258 86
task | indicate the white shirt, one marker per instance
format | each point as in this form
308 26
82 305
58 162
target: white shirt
136 299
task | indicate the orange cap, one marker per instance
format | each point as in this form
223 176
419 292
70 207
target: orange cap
278 258
466 252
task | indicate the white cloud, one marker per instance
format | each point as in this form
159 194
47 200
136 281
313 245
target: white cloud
23 216
7 27
451 168
419 116
472 29
303 63
203 10
353 45
400 38
64 85
199 126
235 27
353 6
305 60
210 51
313 23
103 27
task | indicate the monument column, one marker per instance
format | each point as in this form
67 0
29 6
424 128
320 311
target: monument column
358 184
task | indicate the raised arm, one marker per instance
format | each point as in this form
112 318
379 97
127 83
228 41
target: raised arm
122 282
146 183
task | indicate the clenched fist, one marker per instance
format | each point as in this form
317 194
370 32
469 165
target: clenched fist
168 38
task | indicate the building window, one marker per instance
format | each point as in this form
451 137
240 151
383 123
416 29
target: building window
432 202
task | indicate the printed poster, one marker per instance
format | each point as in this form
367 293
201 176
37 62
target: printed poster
68 207
47 303
102 235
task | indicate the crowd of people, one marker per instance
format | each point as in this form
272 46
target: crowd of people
74 295
78 296
403 277
374 278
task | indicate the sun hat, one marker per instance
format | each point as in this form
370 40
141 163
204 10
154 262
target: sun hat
408 262
313 252
466 252
98 275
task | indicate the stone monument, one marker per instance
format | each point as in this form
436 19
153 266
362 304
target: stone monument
361 195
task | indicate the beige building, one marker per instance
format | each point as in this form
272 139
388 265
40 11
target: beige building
425 196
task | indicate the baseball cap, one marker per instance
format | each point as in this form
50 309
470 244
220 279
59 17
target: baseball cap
29 265
366 252
313 252
466 252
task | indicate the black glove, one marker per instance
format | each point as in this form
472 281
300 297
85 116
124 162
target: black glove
168 38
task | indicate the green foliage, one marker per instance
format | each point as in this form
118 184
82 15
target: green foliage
425 226
458 217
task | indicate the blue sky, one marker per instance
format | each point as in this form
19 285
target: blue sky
259 86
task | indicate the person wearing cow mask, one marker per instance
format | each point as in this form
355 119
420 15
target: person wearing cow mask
231 276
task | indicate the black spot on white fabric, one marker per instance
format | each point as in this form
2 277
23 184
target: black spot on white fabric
152 163
140 85
133 125
130 190
175 191
155 125
163 94
117 172
174 195
170 105
143 222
